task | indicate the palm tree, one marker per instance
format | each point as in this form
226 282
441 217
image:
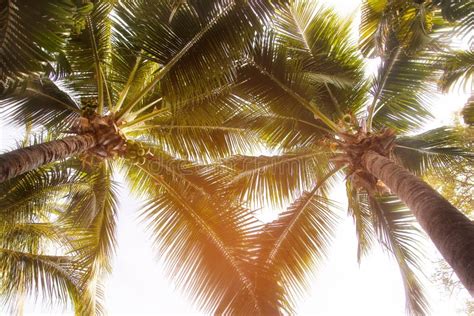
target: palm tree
311 99
122 86
132 86
128 88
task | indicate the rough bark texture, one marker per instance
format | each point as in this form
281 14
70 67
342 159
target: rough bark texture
25 159
450 230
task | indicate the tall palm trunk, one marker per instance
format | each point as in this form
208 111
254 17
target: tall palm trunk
450 230
25 159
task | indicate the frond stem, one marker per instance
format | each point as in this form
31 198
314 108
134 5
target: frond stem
166 68
305 103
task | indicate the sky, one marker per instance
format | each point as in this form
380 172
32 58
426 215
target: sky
340 287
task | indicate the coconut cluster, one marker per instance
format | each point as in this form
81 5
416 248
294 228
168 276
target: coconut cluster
354 146
136 152
110 139
79 22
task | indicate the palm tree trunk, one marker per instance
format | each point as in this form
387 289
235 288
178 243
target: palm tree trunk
450 230
25 159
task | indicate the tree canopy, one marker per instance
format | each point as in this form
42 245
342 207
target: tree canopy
212 109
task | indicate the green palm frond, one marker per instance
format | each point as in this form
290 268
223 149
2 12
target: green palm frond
203 179
279 131
33 237
468 112
28 235
84 207
216 105
37 101
94 239
89 53
274 180
395 227
129 75
361 214
294 244
458 69
55 278
290 65
386 25
460 12
203 241
193 48
32 35
308 30
33 195
193 132
435 149
373 27
205 142
403 91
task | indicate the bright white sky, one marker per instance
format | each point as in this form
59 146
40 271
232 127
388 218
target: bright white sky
138 286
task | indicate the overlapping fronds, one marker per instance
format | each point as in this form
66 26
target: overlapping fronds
37 256
203 238
198 48
200 178
275 180
92 218
129 75
193 132
89 52
461 12
280 131
403 91
395 227
458 70
386 25
32 237
32 35
37 101
435 149
294 64
54 278
316 37
33 195
468 112
357 209
293 246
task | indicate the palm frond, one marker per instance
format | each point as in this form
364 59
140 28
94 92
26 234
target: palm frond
276 75
32 35
460 12
358 210
291 246
89 53
203 179
33 237
403 91
195 132
458 69
326 52
275 180
397 233
192 45
435 149
468 112
203 242
55 278
94 241
38 101
33 195
386 25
